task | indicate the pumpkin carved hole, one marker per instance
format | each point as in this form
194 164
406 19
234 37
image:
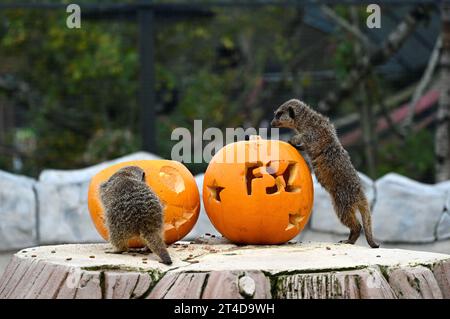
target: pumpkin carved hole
294 220
283 176
289 176
272 189
215 191
250 174
172 179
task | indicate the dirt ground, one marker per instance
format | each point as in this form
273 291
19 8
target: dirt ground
308 235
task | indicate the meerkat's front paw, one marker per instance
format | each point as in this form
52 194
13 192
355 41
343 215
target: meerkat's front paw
296 141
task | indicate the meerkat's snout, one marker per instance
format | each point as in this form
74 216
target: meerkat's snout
275 123
277 119
283 118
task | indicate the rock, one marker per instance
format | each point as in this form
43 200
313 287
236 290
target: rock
324 218
406 210
203 225
246 286
64 214
85 174
443 229
227 271
17 211
445 186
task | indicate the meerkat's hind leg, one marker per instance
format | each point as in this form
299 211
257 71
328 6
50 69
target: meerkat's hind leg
364 209
348 218
157 245
119 245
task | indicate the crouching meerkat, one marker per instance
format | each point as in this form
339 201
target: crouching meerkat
133 209
317 137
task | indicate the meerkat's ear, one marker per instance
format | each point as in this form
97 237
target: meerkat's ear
291 112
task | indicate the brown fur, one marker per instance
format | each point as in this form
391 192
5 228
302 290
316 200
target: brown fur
331 164
133 209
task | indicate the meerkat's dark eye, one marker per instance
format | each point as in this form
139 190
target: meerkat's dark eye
278 115
291 113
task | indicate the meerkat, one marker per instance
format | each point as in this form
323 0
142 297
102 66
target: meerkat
132 209
317 137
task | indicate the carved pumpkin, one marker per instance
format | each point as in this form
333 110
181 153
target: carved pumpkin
174 185
258 192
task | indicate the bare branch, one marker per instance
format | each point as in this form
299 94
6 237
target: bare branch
423 83
344 24
362 68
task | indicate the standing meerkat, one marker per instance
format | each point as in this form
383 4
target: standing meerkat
331 163
133 209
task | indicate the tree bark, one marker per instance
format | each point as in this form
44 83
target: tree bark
204 271
442 139
389 48
366 110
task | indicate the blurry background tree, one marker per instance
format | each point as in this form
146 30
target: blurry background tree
68 97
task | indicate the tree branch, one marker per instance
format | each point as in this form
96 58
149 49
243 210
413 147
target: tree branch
361 69
344 24
423 84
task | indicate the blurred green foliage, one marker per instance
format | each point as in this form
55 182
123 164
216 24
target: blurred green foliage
86 79
84 82
413 157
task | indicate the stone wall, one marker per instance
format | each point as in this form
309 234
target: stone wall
403 210
18 211
53 209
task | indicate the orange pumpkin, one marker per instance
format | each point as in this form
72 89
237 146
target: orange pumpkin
174 185
258 192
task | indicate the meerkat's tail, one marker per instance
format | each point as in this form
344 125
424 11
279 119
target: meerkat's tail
364 209
157 245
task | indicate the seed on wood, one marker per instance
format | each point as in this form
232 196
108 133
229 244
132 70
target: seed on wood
33 255
91 256
69 258
53 251
328 248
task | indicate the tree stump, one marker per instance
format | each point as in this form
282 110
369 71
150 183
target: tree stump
204 270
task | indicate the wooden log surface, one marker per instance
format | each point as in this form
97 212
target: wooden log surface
221 270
